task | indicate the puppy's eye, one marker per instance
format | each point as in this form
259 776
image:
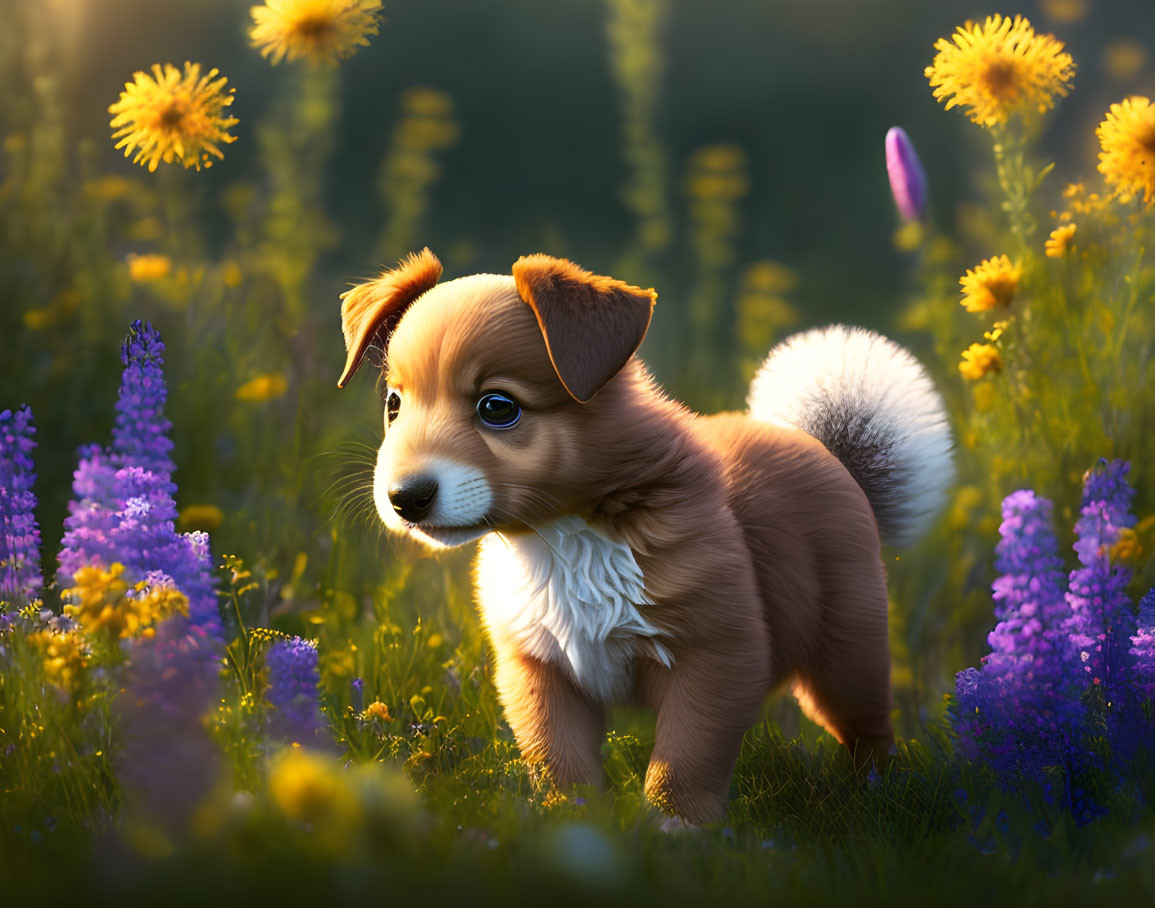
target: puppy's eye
392 405
498 411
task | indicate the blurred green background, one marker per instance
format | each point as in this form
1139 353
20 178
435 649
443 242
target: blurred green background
728 153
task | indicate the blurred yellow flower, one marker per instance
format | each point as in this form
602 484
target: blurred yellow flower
717 173
1000 69
1124 59
378 710
1127 549
1127 137
109 188
169 116
321 31
101 602
991 283
149 267
979 360
1059 241
263 387
206 517
231 274
65 655
310 788
984 396
1065 11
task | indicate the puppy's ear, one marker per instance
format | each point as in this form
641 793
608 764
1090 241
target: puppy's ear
371 310
592 325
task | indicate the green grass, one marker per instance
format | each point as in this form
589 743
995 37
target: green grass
802 827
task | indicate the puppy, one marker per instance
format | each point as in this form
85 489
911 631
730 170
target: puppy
634 551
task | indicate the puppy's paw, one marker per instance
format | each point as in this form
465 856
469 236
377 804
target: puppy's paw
672 825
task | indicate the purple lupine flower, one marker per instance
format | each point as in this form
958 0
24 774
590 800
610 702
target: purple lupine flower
1101 619
294 677
1143 647
167 760
145 540
907 178
140 437
1029 642
20 577
123 510
91 514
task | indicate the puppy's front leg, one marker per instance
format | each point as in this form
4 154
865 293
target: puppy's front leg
704 710
558 728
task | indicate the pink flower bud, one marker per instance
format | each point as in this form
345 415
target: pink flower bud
907 178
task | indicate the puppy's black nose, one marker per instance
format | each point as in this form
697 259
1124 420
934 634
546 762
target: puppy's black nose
413 497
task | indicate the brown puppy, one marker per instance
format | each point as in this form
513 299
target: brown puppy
633 550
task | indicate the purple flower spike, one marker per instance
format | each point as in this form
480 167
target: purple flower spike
294 677
20 577
907 178
140 438
1028 645
1143 647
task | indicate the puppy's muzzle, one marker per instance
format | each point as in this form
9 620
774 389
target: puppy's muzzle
413 497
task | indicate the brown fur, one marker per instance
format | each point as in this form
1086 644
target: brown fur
759 551
371 310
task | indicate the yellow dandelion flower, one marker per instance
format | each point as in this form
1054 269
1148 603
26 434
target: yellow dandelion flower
1059 242
173 116
149 267
992 283
206 517
999 70
1127 138
263 387
321 31
378 710
979 360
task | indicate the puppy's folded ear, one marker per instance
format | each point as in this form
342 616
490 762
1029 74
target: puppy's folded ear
371 310
592 324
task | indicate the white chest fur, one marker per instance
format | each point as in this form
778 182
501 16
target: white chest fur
569 594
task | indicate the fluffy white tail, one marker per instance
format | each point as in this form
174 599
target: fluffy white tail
871 403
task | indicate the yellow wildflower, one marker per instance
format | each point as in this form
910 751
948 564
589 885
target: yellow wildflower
378 710
205 517
1127 137
65 655
109 188
979 360
263 387
102 603
1065 11
321 31
309 788
1000 69
984 397
1127 549
1060 241
1124 59
992 283
231 274
169 116
149 267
